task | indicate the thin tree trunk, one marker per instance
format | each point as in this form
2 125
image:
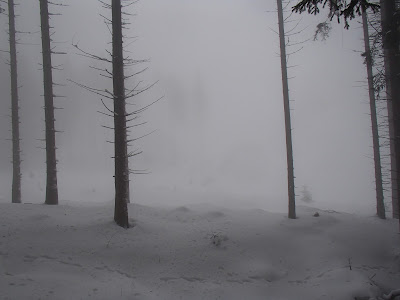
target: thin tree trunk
285 86
51 161
380 205
16 159
127 171
120 132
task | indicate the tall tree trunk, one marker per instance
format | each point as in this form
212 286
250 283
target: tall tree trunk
390 33
16 159
393 94
393 165
51 161
389 56
380 205
285 86
120 130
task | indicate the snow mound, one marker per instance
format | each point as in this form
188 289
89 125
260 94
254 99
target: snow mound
196 252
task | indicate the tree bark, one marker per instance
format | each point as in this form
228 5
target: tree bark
51 161
387 9
16 152
390 33
393 165
288 129
120 131
380 205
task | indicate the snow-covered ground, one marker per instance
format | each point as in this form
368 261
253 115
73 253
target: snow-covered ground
198 251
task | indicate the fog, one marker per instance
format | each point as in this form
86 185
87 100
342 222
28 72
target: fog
219 130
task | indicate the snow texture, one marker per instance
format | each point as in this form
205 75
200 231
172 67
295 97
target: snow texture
199 251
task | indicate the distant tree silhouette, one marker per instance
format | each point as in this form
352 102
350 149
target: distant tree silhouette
306 195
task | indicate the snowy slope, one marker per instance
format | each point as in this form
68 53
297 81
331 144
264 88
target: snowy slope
75 251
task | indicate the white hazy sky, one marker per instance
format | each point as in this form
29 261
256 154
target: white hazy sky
220 125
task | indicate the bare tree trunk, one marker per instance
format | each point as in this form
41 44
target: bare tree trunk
380 205
120 130
127 171
16 159
285 86
51 161
390 33
387 10
393 165
395 89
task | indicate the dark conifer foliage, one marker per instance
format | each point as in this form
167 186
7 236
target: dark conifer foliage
339 8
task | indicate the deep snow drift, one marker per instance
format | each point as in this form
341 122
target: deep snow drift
198 251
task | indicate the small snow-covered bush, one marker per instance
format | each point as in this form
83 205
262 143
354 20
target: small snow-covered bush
217 239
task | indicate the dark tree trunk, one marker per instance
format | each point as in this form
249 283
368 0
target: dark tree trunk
285 86
380 205
51 161
393 165
390 33
392 94
127 171
16 159
120 130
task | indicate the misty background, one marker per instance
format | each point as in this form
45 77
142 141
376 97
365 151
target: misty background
219 130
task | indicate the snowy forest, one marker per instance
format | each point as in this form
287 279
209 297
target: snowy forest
232 149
